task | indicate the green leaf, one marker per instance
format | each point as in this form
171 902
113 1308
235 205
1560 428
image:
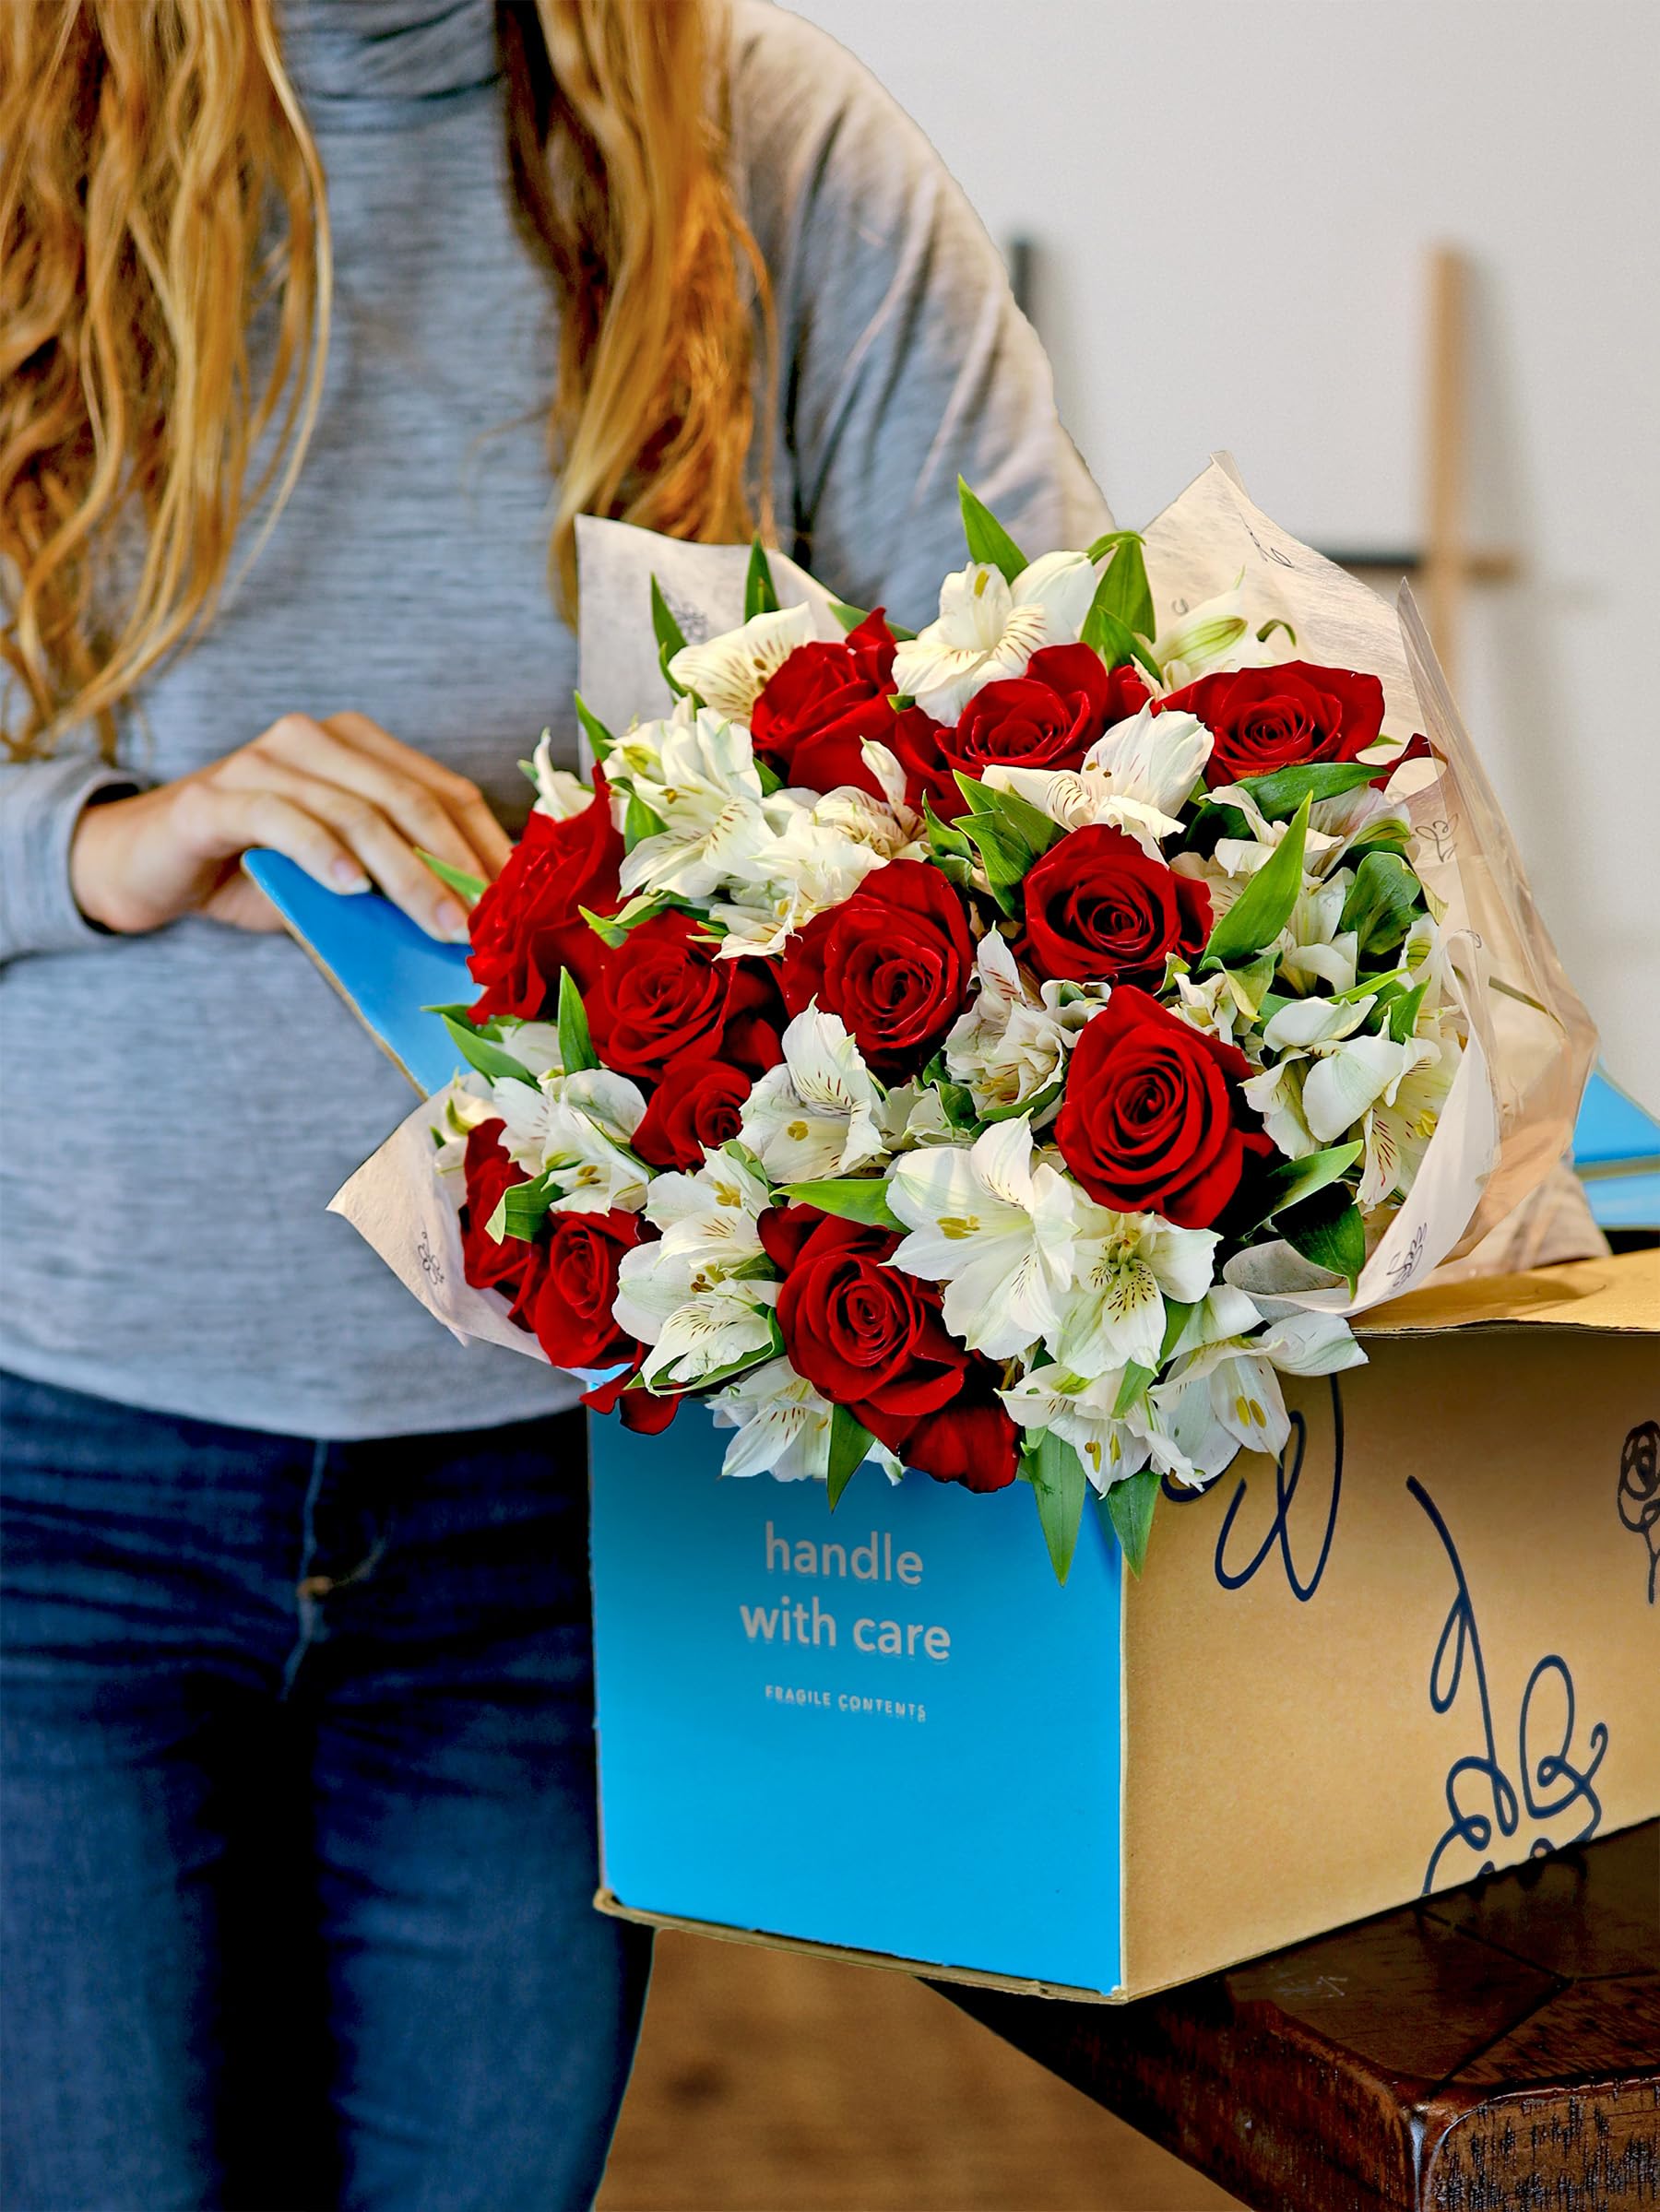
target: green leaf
575 1045
1112 638
1404 1013
593 730
849 1442
1029 823
1382 902
759 596
1177 1313
851 1198
640 822
521 1211
469 889
1288 1182
988 540
1261 909
944 842
1108 542
1133 1389
768 777
1123 590
614 929
488 1059
670 636
461 1012
1056 1474
1282 793
1034 1105
1129 1507
1328 1230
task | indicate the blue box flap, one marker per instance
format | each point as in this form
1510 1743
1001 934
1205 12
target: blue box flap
384 965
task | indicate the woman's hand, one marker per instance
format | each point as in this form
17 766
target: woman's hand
341 797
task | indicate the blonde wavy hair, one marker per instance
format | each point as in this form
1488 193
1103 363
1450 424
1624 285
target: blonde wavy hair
145 145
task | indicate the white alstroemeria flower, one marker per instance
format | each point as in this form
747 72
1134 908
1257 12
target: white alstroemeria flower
1399 1124
708 793
1125 1265
709 1237
534 1045
1135 778
783 1425
1216 638
989 629
1327 1074
728 1326
1312 949
731 671
815 1114
1243 856
1223 1005
1080 1412
577 1127
995 1224
819 848
1011 1043
912 1114
558 792
1225 1396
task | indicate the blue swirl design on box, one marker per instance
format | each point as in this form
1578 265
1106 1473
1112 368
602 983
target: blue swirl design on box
1639 1494
1552 1783
1233 1572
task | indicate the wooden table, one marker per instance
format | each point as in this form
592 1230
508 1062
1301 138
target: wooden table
1493 2050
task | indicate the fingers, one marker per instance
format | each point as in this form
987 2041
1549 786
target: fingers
462 801
410 804
217 818
348 841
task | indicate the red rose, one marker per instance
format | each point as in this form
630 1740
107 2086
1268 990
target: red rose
892 961
638 1409
1046 718
1267 718
695 1109
527 927
970 1439
864 1335
1097 907
1153 1121
490 1262
571 1310
818 709
662 993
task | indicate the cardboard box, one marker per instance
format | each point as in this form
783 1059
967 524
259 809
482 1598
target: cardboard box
1425 1642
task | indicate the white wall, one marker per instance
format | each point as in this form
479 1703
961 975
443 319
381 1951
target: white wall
1232 199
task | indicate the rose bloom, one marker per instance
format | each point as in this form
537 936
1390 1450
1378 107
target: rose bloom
571 1308
526 926
696 1106
1046 718
892 962
1282 718
490 1262
825 701
1153 1121
1098 908
970 1439
864 1334
662 994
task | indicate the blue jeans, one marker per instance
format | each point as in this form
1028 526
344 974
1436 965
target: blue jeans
299 1834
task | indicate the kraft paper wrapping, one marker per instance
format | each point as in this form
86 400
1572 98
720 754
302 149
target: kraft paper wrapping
1490 1195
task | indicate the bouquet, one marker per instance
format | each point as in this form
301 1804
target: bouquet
998 1051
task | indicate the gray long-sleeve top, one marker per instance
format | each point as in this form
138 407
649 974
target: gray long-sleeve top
179 1108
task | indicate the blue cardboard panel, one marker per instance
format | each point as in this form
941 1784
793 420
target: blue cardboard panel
1612 1128
384 964
778 1769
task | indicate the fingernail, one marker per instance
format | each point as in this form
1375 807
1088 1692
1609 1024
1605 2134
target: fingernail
451 920
349 875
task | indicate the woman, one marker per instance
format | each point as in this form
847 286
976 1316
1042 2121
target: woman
319 322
